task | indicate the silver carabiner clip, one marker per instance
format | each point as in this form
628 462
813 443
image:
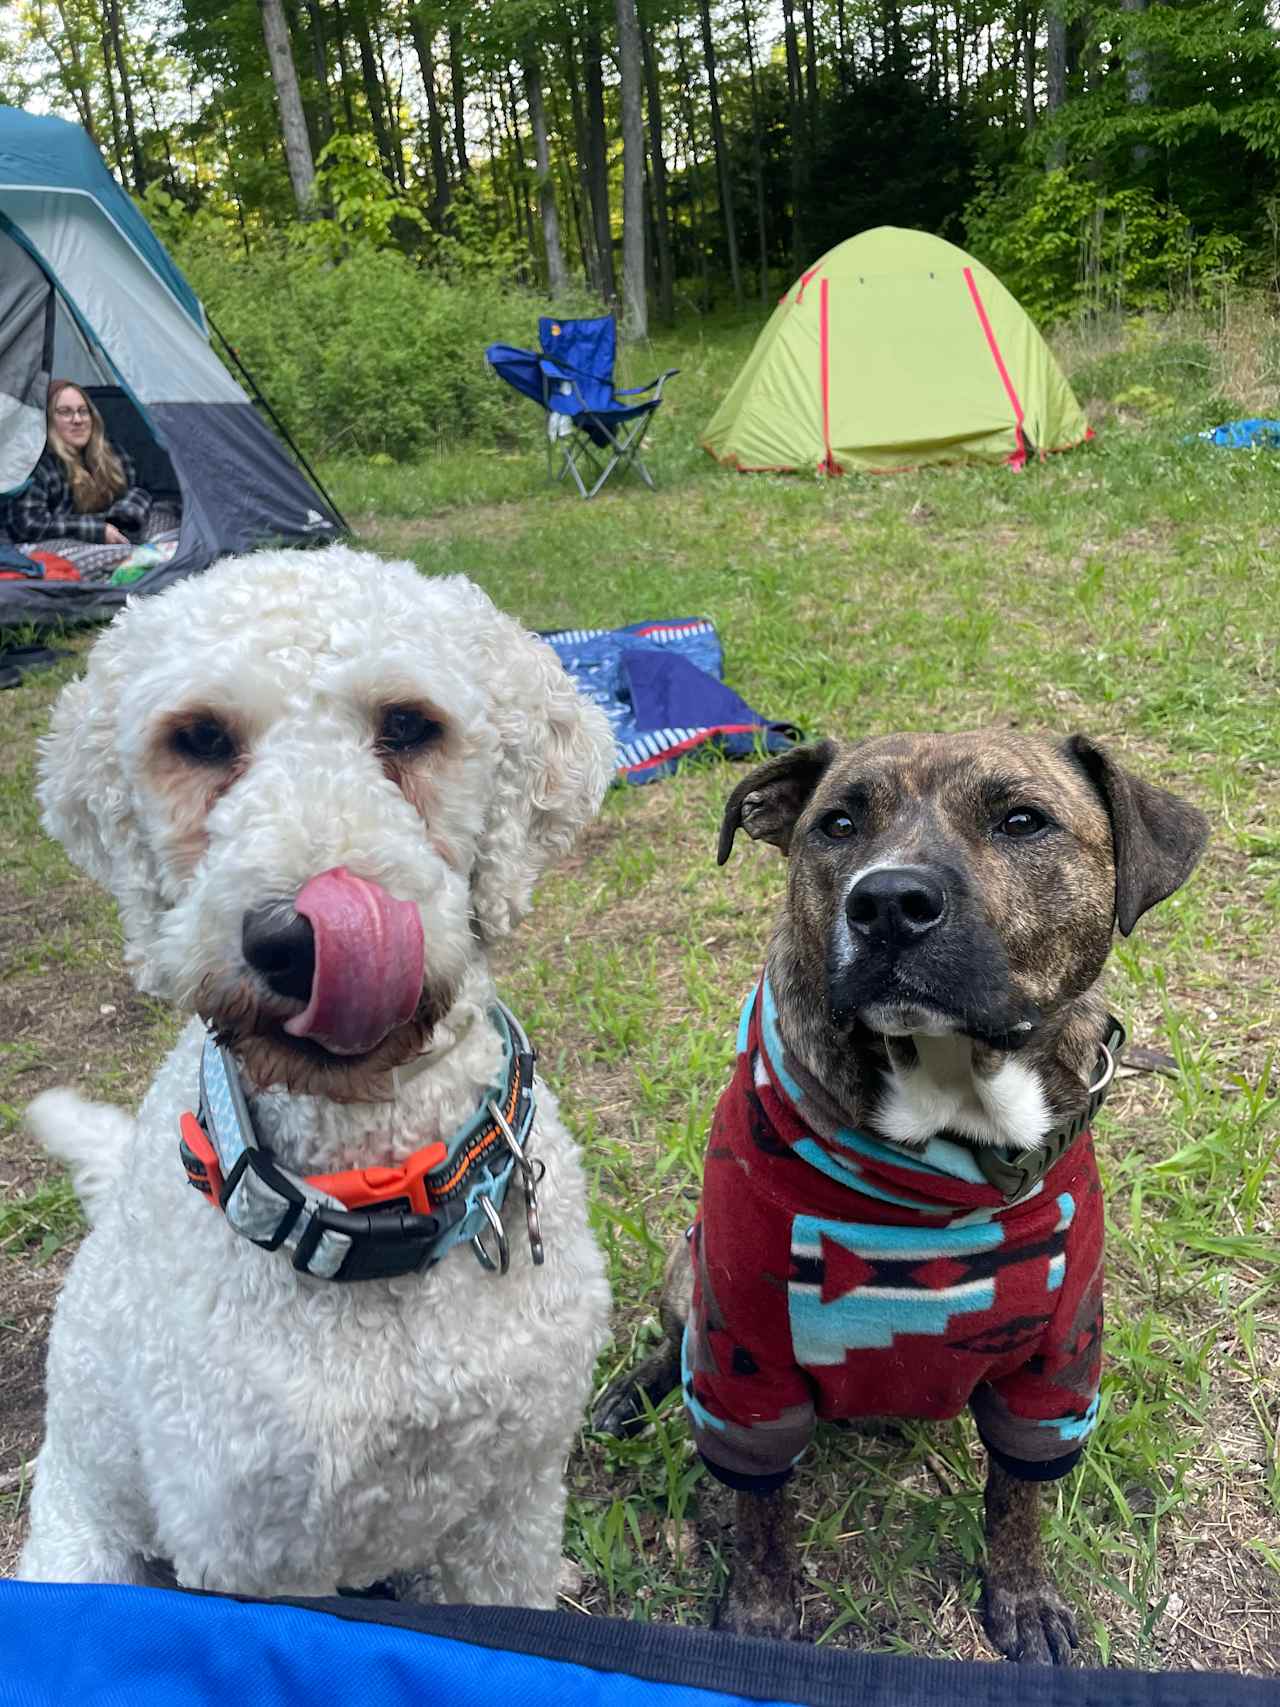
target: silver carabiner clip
529 1180
503 1262
533 1224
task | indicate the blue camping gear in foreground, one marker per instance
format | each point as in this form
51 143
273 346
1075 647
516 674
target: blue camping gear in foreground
571 376
660 685
99 1646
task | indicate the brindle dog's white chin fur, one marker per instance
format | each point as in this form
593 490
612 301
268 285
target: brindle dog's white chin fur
892 1019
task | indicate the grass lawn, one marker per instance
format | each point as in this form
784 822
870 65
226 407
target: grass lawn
1130 590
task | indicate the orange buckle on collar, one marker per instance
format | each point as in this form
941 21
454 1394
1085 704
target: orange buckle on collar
360 1188
200 1159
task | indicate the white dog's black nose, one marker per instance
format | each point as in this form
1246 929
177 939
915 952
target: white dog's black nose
896 905
280 946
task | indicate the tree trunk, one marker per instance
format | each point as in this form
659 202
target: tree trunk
345 77
810 67
591 263
293 124
799 142
567 159
1137 76
74 76
1030 26
521 173
698 205
372 89
722 153
391 106
635 301
126 96
113 109
320 70
658 176
598 163
557 278
441 188
1055 78
458 94
757 156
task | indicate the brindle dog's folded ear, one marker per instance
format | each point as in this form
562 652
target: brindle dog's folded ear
767 803
1158 838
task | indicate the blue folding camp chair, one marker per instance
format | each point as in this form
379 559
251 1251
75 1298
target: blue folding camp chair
590 423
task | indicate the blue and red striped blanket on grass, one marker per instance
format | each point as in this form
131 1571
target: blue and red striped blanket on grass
661 686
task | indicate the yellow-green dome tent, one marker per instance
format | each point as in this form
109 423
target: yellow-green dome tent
894 350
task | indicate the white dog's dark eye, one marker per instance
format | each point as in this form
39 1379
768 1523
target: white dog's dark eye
404 728
837 826
1022 823
204 742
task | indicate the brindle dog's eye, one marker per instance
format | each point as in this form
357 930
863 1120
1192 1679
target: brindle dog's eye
1022 823
404 729
838 826
204 742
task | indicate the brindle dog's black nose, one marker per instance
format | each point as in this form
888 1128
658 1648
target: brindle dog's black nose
896 905
280 946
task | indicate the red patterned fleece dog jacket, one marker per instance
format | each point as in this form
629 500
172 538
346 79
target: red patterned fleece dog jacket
839 1276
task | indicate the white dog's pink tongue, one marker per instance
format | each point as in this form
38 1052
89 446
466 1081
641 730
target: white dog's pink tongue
368 962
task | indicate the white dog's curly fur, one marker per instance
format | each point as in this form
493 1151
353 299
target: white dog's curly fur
261 1431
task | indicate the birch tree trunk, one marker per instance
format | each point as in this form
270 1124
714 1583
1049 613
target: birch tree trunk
635 302
293 123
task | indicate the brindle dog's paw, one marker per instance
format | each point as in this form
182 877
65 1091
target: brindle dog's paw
622 1410
772 1616
1029 1621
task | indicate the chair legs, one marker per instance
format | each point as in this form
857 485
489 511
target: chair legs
623 451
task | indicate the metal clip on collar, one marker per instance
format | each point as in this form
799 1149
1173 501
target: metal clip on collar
530 1178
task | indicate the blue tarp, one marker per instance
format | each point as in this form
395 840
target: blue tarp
660 685
1253 434
83 1645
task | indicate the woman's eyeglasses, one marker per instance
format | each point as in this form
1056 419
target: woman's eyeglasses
73 414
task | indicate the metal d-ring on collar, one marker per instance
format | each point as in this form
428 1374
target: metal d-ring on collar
1108 1072
276 1208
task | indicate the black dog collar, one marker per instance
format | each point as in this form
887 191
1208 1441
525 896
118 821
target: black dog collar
1014 1172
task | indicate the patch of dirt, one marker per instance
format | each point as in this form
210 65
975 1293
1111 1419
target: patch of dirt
27 1293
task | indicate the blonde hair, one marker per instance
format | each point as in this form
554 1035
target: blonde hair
95 474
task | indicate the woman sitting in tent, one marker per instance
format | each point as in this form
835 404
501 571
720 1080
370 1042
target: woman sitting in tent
81 502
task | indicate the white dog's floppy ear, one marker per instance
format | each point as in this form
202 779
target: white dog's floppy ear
556 758
86 799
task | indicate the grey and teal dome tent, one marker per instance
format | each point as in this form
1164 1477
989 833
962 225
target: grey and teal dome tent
894 350
88 293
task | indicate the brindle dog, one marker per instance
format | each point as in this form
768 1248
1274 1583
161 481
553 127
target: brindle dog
950 905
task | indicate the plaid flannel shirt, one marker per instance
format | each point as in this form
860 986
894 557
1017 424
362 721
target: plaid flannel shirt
44 510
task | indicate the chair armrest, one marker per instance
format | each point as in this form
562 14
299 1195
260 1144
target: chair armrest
635 390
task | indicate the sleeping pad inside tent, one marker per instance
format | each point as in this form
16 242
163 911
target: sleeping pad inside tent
87 293
894 350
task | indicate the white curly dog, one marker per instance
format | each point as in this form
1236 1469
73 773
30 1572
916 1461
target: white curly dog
319 786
